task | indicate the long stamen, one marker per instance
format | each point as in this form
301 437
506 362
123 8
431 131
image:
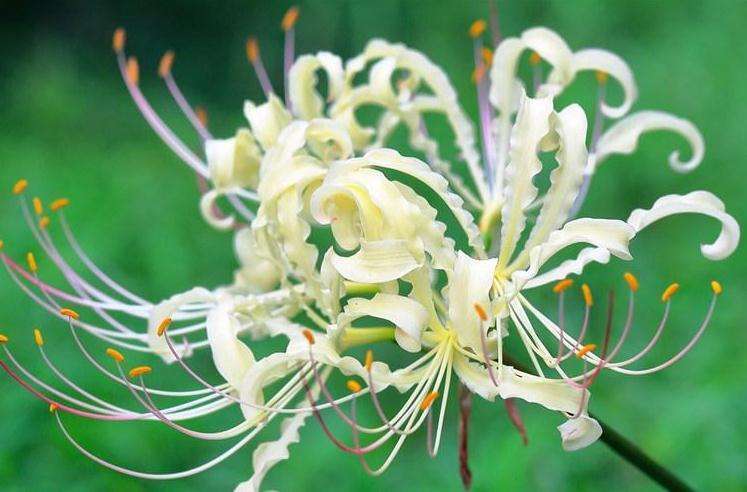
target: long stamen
252 53
164 71
288 25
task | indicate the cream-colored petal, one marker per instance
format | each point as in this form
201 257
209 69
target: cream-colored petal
407 315
610 63
570 267
234 162
697 202
302 79
257 273
377 262
209 211
231 356
470 284
532 125
623 137
267 120
579 432
166 309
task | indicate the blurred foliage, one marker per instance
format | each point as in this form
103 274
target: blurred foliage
70 128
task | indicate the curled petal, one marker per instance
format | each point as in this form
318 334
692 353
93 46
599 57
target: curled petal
698 202
234 161
305 100
408 316
257 272
605 61
570 267
579 432
208 210
267 120
623 137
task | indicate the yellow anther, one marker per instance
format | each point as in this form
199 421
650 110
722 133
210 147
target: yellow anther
586 349
252 49
586 291
369 360
487 56
163 326
115 354
535 58
308 335
133 70
670 291
20 186
164 66
201 115
2 243
562 285
428 400
3 338
58 204
118 40
290 18
602 77
140 371
38 338
44 222
480 311
631 280
353 386
31 261
477 28
53 407
69 313
36 201
478 74
716 287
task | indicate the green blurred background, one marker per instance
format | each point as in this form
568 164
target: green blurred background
69 127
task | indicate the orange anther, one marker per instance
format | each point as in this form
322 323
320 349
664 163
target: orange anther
201 115
308 335
133 70
586 291
631 280
43 222
115 354
290 18
20 186
163 326
716 287
31 261
252 49
164 66
601 76
69 313
3 338
535 58
58 204
428 400
53 407
369 360
353 386
480 311
586 349
487 56
38 209
477 28
140 371
562 285
38 338
670 291
118 40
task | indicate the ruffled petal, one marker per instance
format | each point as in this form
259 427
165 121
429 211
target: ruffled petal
697 202
208 210
267 120
257 273
532 125
234 162
302 79
623 137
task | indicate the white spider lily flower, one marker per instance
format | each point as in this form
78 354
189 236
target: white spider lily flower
306 175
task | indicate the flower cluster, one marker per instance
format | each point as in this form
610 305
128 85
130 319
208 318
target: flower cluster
435 254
